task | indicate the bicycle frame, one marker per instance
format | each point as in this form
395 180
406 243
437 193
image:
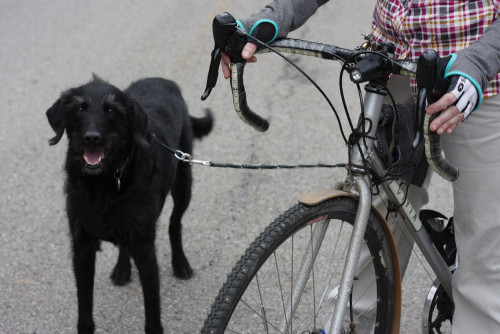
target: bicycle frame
365 149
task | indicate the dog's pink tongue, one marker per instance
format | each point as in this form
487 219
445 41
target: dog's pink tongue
93 157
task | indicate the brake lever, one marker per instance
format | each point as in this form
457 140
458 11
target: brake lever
230 39
223 27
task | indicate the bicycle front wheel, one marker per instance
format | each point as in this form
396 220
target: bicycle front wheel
286 281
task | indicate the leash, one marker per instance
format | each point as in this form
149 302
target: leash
187 158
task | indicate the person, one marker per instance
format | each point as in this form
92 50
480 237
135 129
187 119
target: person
469 31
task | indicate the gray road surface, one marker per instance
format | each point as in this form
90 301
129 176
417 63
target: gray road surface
48 46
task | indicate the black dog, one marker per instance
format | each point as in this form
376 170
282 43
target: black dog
118 176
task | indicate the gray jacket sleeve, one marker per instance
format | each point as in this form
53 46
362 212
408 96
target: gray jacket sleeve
481 60
287 14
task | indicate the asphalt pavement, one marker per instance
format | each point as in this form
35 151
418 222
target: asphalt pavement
48 46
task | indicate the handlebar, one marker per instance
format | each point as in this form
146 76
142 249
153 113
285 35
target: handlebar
365 66
431 88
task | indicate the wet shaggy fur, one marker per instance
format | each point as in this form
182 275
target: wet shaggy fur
118 177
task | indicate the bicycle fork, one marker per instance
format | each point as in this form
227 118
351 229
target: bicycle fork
373 104
350 265
353 252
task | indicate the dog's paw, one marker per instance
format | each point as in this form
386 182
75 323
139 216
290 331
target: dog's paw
182 269
120 276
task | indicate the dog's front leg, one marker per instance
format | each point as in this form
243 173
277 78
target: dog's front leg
144 256
84 254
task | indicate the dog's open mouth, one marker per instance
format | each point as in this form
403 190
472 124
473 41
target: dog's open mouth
93 159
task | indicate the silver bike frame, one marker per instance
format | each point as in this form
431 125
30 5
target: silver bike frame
359 154
372 106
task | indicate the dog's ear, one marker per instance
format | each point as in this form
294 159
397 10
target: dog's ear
55 115
139 123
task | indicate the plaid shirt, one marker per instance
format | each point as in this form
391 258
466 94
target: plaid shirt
446 26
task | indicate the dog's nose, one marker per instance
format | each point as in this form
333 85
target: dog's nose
92 137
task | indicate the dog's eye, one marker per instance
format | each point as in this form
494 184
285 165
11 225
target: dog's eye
110 110
80 108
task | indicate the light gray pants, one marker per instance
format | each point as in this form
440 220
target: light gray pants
474 148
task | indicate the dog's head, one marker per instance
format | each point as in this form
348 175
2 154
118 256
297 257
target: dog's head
103 124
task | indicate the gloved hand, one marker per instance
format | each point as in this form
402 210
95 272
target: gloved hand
465 92
264 30
463 96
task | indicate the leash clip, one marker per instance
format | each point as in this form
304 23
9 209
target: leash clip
186 157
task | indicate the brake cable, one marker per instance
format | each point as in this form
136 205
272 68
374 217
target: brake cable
303 73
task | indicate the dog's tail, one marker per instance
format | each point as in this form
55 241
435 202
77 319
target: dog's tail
202 125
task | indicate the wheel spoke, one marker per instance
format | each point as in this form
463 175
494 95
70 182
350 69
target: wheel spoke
280 287
262 307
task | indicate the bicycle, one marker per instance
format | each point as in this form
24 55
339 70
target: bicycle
337 223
